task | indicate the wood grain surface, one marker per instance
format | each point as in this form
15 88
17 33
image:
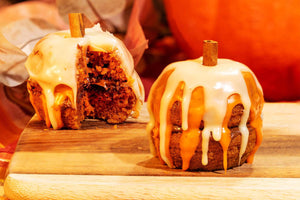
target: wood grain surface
113 162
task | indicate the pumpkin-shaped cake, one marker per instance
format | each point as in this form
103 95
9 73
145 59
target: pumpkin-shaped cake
205 117
84 77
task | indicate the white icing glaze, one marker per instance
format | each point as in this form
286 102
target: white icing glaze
219 82
56 62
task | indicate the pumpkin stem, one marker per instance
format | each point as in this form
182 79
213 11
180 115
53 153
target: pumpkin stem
210 53
76 25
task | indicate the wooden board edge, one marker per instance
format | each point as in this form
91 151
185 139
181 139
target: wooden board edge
31 186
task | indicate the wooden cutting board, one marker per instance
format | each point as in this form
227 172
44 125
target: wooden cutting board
102 161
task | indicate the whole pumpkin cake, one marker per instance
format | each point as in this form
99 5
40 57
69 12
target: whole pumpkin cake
205 117
74 78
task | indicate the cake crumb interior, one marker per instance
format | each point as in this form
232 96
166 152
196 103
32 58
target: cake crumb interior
109 94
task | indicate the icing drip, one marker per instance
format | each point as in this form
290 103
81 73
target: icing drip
154 109
208 94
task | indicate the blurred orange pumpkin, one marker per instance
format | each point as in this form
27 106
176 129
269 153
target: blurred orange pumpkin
265 35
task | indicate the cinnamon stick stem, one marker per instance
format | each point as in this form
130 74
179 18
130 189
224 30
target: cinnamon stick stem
210 53
76 25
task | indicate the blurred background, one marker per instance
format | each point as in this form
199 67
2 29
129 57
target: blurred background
264 35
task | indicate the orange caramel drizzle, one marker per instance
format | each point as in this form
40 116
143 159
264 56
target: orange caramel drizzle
257 124
61 93
177 97
225 140
190 138
257 101
46 114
